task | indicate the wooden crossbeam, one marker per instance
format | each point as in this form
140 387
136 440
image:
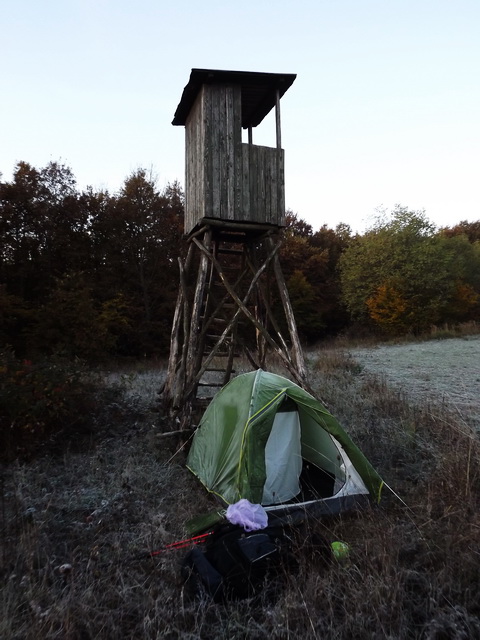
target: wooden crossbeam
243 309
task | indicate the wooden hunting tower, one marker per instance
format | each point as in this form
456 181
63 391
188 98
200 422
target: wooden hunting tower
234 213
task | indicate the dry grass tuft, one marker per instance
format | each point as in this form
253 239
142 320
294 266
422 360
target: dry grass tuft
75 525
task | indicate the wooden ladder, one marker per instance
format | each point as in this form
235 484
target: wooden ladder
229 252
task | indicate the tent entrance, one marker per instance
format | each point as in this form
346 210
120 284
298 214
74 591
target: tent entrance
283 459
289 476
316 483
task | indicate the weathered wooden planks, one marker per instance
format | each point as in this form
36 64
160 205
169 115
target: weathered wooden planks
264 186
226 179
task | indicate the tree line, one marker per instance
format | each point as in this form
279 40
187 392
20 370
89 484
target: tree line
94 274
87 274
403 275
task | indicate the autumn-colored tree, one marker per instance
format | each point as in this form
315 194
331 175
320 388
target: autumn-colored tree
66 323
403 274
305 306
147 231
15 317
137 235
73 323
388 308
20 203
330 245
315 256
296 226
43 229
464 304
470 229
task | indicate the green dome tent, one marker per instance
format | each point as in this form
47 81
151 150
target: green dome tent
266 439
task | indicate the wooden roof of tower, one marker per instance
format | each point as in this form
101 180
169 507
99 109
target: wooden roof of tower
259 92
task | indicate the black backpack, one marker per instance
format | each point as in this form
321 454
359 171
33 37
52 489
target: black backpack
235 564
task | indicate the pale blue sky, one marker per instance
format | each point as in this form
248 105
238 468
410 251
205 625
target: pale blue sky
385 108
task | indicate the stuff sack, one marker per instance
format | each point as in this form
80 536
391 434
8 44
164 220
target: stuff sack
235 564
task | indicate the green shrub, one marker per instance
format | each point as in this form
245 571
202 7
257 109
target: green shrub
39 400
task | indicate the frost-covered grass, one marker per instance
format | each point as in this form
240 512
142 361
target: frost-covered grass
140 385
76 524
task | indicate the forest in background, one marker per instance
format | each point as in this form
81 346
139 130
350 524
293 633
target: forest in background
94 275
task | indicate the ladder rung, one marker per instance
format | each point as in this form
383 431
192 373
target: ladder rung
210 384
222 354
229 269
237 236
213 320
221 320
202 402
235 252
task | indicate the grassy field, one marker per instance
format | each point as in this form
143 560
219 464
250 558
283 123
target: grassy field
435 371
78 519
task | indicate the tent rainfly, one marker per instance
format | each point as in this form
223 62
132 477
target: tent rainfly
266 439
